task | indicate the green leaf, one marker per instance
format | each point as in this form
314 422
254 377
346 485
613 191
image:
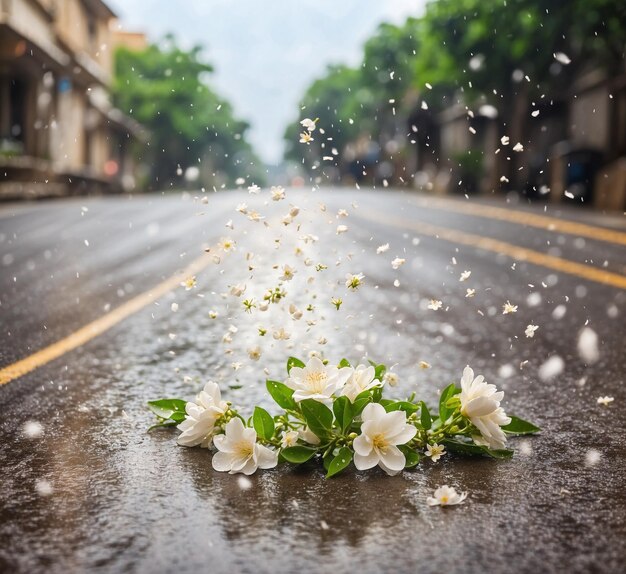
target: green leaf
445 411
293 362
340 461
471 449
406 406
519 426
298 454
361 402
172 409
318 417
263 423
282 394
425 417
412 457
344 363
342 407
327 460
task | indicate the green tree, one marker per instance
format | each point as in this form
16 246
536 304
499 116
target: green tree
166 89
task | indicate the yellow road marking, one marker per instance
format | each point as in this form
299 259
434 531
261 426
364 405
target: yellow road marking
513 251
525 218
100 325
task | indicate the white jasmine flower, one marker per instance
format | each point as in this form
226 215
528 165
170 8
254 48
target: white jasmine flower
446 496
189 283
382 249
306 138
254 353
307 435
226 244
290 438
435 304
435 451
317 381
174 307
381 432
295 312
238 450
281 334
354 281
504 140
288 273
341 229
238 290
480 403
254 189
199 426
530 330
465 275
470 292
308 124
605 401
509 308
255 216
518 147
278 193
361 379
390 379
398 262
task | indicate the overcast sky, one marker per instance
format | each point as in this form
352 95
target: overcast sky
266 53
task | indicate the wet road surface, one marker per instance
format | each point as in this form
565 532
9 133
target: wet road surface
93 492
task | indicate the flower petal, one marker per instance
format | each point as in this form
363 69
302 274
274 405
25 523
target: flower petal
404 436
266 458
392 459
362 445
373 411
366 462
480 407
221 461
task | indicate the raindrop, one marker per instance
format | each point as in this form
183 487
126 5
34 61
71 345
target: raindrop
551 368
588 346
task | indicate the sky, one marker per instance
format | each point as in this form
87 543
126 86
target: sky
266 53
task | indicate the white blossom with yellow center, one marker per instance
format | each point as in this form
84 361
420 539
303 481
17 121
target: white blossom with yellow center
317 381
446 496
381 433
238 450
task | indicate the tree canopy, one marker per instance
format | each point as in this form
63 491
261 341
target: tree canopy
166 89
465 51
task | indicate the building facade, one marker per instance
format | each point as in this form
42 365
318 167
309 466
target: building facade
59 133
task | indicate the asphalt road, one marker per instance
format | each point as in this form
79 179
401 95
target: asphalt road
86 489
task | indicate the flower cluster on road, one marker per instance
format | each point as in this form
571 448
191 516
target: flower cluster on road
337 413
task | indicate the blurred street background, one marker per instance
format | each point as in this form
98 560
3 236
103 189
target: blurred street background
448 97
